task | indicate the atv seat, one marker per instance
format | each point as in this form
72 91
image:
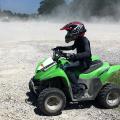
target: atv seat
94 65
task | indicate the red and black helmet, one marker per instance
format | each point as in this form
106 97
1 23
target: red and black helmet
74 31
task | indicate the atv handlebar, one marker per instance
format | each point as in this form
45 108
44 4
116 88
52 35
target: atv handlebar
57 54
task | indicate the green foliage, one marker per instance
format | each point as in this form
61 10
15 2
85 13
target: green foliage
7 15
86 8
95 7
47 6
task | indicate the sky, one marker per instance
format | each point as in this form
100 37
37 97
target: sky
20 6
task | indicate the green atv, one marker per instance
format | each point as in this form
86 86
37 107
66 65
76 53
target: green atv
53 86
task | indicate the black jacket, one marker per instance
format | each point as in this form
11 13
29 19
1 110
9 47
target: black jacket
82 46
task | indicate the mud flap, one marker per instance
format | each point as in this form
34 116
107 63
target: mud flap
94 86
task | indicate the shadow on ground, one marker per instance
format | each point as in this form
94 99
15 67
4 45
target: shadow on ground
32 100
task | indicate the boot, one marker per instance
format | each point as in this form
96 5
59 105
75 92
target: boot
78 91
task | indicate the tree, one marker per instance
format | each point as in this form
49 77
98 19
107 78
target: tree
95 7
105 7
47 6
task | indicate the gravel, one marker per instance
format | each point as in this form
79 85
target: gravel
23 44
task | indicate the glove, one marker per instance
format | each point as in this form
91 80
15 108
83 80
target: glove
57 48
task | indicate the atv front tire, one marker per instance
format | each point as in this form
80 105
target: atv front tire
109 96
51 101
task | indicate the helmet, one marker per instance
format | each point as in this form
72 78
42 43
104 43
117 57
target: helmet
74 31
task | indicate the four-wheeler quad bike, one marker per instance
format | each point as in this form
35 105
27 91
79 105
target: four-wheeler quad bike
53 88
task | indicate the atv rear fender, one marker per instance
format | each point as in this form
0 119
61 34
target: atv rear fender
107 75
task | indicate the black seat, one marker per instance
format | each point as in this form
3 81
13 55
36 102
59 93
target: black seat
94 65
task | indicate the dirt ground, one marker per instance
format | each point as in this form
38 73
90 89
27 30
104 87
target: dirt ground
22 44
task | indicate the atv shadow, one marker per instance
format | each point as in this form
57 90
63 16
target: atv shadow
69 106
82 105
79 105
32 100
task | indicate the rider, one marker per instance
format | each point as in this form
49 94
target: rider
76 32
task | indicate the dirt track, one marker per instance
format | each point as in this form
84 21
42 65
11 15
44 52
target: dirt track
23 44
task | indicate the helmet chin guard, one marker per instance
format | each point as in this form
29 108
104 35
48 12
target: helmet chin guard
69 37
67 40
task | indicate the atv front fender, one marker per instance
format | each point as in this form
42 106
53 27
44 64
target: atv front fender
53 73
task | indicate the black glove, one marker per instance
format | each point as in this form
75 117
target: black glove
57 48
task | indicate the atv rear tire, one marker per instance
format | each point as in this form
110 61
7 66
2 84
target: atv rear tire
51 101
109 96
